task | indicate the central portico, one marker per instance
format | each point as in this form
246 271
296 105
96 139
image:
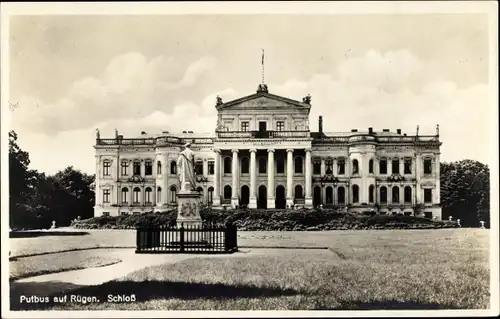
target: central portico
258 140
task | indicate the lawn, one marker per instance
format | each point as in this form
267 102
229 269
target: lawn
399 269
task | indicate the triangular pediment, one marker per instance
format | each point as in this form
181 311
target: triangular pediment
263 101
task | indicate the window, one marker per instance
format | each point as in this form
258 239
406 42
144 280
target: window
137 195
105 214
124 195
341 166
329 195
395 194
227 165
173 194
211 167
370 166
227 192
298 192
245 165
280 126
106 194
158 168
395 166
137 168
149 168
383 194
262 165
428 215
317 167
355 167
198 167
407 166
371 193
244 126
173 167
158 195
200 191
106 165
124 167
280 165
298 165
329 166
382 166
148 195
355 193
427 166
407 194
427 195
341 195
210 195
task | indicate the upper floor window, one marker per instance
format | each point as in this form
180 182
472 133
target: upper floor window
211 167
173 167
244 126
317 166
355 167
427 195
395 166
382 166
124 167
106 168
341 166
407 166
148 168
298 165
329 166
158 168
280 165
427 166
106 194
198 167
280 126
245 165
137 168
227 165
370 166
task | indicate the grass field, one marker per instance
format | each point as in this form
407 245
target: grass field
398 269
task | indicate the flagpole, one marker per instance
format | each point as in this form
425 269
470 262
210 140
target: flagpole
262 66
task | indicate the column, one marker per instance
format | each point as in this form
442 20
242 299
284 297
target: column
289 177
323 168
143 167
335 169
253 194
437 192
418 188
153 196
308 199
270 179
97 184
234 173
130 194
205 167
216 195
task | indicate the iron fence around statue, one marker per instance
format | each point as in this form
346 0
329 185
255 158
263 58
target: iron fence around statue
208 239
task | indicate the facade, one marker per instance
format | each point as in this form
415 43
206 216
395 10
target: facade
263 155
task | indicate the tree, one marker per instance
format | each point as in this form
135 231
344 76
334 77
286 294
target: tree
465 190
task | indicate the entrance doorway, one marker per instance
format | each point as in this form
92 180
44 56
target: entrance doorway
317 196
280 202
245 195
262 126
262 198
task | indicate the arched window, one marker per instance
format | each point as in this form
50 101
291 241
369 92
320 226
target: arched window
341 195
210 195
227 165
355 193
137 195
317 166
227 192
329 195
383 194
173 168
355 166
298 165
158 168
124 195
199 189
106 168
370 166
245 165
395 194
262 165
371 193
158 195
173 194
298 192
408 194
148 195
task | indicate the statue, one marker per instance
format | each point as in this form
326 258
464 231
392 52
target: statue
97 135
417 130
116 133
437 130
307 99
219 100
185 166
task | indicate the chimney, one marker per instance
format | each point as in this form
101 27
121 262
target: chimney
386 130
120 137
398 131
165 132
184 132
143 133
370 130
320 124
354 130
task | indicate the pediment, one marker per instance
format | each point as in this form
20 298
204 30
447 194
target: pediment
263 101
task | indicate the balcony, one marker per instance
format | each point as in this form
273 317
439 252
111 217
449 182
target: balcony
263 134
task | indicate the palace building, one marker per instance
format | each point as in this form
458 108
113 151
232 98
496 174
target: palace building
262 154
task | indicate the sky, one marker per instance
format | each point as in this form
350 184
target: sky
72 74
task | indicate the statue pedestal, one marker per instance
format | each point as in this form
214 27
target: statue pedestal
188 209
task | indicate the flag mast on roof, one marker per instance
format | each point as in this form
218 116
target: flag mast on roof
262 66
262 87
